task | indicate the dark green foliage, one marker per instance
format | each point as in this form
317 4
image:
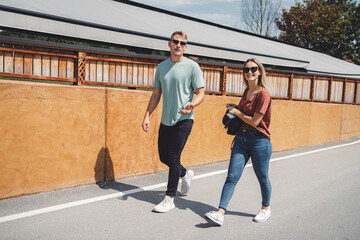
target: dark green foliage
328 26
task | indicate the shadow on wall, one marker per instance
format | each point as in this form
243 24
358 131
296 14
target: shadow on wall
104 168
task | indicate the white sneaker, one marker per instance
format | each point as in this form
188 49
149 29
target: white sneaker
185 183
262 216
216 217
166 205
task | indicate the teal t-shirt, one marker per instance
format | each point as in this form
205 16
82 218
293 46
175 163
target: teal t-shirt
177 81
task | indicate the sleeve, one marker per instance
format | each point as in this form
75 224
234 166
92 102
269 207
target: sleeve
263 103
157 83
197 81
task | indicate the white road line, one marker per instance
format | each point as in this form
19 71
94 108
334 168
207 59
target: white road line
137 190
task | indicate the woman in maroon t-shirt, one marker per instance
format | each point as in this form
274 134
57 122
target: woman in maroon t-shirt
253 140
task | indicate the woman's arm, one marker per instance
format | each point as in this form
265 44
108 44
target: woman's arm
252 121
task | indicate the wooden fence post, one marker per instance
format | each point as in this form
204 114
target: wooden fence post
356 91
312 88
80 68
344 91
290 88
329 89
223 77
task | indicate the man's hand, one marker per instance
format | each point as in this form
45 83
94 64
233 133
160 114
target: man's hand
188 109
146 124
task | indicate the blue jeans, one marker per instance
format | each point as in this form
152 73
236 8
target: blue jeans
249 143
171 142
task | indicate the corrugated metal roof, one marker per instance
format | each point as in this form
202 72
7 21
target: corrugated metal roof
126 23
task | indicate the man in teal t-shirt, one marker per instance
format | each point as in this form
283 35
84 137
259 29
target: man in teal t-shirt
176 79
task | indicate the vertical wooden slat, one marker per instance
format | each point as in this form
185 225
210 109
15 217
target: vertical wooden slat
118 73
344 91
99 70
62 67
141 74
124 73
237 85
301 88
213 81
112 72
1 61
106 72
8 62
206 82
146 75
349 92
92 70
28 64
321 89
54 66
210 79
37 64
19 63
46 66
232 84
129 79
337 91
151 74
135 74
357 95
218 77
70 68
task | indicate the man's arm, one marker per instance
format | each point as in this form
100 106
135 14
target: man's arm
199 97
153 102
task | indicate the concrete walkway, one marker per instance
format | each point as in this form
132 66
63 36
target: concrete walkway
316 195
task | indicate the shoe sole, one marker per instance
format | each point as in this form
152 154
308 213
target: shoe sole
160 211
213 219
191 177
261 221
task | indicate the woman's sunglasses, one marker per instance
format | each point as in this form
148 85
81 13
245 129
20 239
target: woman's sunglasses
252 69
182 43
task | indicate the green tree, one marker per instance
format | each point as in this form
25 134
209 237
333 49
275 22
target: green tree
328 26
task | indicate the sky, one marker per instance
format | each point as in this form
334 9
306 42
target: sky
224 12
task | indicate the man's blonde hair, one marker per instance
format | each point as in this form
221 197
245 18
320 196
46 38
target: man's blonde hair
181 33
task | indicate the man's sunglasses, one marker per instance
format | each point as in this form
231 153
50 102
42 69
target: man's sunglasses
182 43
252 69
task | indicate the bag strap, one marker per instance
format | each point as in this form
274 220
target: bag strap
232 143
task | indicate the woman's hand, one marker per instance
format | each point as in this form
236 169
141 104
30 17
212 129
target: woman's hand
228 105
234 111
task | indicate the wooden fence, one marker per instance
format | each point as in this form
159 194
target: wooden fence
61 63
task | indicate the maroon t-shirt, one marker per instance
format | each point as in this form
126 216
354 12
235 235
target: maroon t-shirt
260 103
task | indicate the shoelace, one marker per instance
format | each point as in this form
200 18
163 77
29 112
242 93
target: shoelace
166 201
263 213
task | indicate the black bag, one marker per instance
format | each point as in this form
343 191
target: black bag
231 123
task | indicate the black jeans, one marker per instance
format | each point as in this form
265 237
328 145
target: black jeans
171 142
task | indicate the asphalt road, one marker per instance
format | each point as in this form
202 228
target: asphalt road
316 195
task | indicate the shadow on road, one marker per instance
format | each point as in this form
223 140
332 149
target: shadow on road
104 176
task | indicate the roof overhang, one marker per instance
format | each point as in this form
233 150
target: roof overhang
129 24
